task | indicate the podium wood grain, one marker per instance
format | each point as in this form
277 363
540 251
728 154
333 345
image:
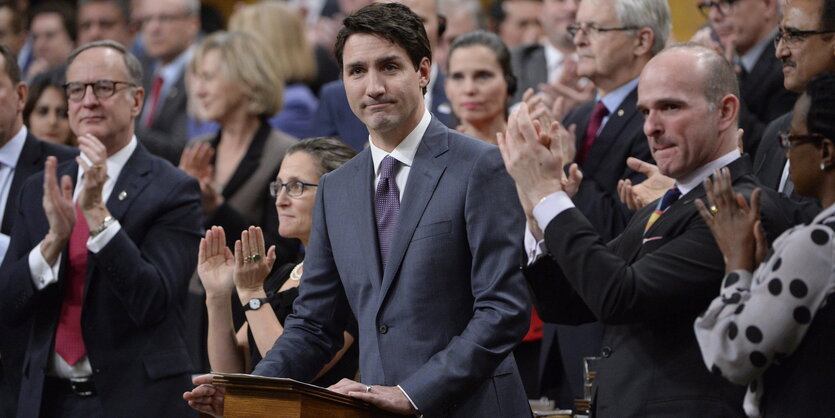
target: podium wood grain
255 396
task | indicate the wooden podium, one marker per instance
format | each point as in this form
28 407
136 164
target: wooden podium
257 396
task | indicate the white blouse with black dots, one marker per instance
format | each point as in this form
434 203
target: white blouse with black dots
764 316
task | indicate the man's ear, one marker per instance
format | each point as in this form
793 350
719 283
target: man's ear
424 70
138 97
827 154
22 91
728 108
644 39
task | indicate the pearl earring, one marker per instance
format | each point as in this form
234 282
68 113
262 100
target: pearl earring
823 166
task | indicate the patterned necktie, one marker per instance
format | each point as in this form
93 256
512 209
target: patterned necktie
669 198
69 343
386 205
596 120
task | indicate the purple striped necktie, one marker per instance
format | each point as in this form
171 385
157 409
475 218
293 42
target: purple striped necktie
387 205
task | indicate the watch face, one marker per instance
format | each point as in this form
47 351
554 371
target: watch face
255 303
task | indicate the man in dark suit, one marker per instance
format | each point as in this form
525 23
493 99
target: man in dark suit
427 264
803 58
747 29
649 284
543 62
608 131
21 155
334 116
103 283
169 29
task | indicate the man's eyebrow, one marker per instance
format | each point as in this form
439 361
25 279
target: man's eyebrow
387 58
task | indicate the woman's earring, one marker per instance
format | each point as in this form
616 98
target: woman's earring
823 166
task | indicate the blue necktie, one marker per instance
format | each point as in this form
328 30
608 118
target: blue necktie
386 205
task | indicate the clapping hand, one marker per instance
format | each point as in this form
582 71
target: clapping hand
59 209
252 264
735 226
639 195
215 264
95 174
196 161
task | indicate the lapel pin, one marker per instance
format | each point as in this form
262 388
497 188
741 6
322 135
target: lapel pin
620 112
122 195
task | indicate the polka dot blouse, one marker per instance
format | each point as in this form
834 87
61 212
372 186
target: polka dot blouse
762 317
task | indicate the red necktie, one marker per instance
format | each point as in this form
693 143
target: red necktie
596 120
152 108
69 343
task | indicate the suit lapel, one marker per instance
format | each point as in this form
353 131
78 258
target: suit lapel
363 187
425 173
609 135
27 164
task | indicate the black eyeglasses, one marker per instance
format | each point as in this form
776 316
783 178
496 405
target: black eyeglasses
102 89
294 188
590 29
789 140
722 6
794 37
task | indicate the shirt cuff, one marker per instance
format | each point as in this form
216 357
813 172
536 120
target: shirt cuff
410 401
95 244
42 273
549 207
533 248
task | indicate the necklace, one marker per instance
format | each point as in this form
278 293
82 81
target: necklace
296 274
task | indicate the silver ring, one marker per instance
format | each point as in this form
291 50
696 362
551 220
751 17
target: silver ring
367 389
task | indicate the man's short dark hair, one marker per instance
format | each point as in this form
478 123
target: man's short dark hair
10 66
63 10
122 5
391 21
828 15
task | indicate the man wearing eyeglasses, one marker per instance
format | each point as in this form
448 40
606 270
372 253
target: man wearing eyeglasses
805 44
614 39
746 30
100 257
169 29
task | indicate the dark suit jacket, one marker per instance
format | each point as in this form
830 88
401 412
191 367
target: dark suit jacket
168 134
565 346
647 290
529 67
764 98
31 160
770 162
442 317
334 116
133 293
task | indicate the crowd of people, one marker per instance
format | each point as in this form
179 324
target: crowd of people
438 207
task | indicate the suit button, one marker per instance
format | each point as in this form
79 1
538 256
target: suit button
606 351
383 329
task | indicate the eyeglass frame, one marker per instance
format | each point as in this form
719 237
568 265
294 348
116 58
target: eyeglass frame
794 37
574 28
275 188
69 95
164 18
788 140
705 6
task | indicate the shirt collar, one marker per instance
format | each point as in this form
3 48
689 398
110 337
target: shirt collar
406 150
10 153
117 161
692 180
172 71
553 59
613 100
749 60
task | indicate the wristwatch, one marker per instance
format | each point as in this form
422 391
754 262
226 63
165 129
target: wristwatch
107 222
255 304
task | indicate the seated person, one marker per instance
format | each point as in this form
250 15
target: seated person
266 289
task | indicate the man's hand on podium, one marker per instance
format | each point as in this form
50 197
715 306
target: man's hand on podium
206 397
387 398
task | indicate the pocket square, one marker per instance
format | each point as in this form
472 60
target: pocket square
646 240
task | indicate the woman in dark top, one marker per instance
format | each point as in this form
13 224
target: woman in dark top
265 289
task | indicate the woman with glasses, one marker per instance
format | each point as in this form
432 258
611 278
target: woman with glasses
773 325
266 289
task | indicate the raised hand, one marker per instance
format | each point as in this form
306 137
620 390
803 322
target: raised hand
252 264
206 397
95 174
734 225
196 161
215 264
59 209
646 192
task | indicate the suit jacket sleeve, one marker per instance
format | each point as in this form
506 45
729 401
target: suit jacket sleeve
501 307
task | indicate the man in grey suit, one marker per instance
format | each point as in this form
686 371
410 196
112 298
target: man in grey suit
427 263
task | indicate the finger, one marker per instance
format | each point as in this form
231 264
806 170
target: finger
202 250
259 241
220 241
245 242
755 203
700 205
270 258
642 167
203 379
239 257
527 94
66 189
575 173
